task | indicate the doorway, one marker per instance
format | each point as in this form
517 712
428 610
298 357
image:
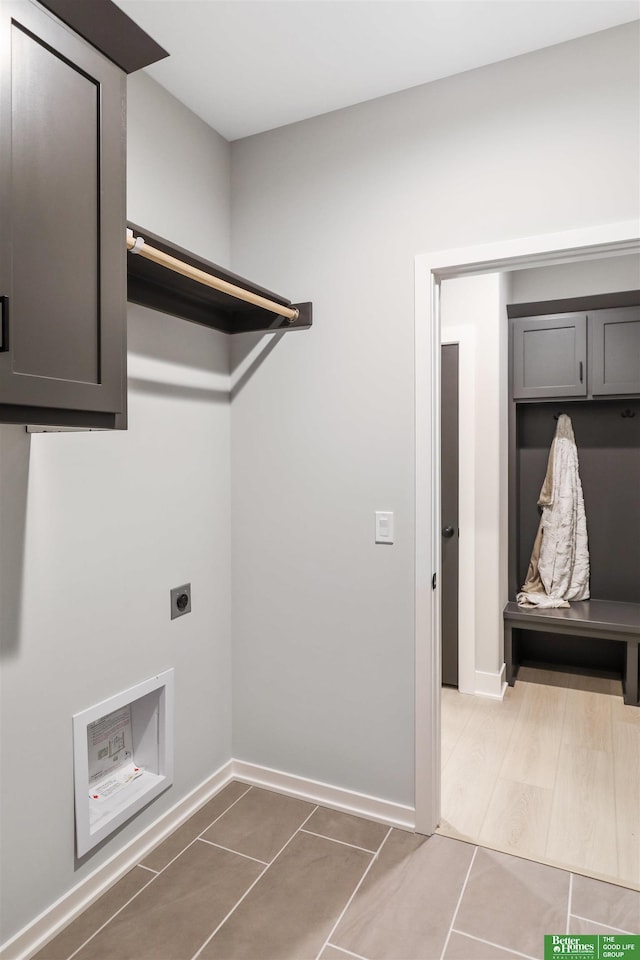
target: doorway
571 246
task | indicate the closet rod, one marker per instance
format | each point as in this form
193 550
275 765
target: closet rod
137 245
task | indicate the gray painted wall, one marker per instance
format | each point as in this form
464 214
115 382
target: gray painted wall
96 528
334 210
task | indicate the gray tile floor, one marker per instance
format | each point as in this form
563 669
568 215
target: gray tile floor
255 875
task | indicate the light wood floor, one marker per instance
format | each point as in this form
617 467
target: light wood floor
551 773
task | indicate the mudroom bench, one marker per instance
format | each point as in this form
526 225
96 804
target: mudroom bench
582 638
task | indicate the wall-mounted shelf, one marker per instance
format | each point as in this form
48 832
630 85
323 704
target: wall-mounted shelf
156 278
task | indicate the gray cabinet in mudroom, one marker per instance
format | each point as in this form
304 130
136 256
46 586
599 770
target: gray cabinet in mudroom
578 355
615 338
63 224
550 356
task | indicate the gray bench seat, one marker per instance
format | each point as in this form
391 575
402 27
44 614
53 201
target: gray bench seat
601 619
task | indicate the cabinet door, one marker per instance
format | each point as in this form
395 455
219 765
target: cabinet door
615 337
62 180
549 356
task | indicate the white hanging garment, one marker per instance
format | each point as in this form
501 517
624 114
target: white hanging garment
559 565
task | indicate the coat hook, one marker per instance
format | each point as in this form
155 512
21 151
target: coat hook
557 416
628 413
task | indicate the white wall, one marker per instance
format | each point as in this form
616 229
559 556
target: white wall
334 210
609 275
97 527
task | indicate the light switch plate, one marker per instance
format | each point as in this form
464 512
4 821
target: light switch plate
384 527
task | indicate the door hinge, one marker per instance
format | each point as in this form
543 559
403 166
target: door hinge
433 581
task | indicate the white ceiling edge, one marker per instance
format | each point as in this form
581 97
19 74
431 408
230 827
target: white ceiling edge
246 66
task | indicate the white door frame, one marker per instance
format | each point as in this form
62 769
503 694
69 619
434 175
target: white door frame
430 269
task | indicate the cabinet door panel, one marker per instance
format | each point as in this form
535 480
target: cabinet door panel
549 356
54 209
616 351
63 189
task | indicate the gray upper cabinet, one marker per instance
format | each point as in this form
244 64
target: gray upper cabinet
615 339
595 353
62 231
550 356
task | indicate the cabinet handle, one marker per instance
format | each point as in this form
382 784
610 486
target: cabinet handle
581 371
4 324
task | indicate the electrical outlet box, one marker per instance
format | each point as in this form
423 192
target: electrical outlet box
180 600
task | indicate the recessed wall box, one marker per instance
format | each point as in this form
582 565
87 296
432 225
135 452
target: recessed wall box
123 757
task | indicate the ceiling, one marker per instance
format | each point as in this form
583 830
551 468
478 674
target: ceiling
245 66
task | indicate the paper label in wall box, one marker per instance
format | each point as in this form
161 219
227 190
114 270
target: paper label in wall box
109 743
105 789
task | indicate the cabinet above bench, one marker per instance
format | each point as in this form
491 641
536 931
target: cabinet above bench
582 354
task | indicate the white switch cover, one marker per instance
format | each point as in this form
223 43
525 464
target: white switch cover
384 527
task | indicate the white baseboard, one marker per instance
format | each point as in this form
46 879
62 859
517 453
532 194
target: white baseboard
53 920
492 685
56 917
346 801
